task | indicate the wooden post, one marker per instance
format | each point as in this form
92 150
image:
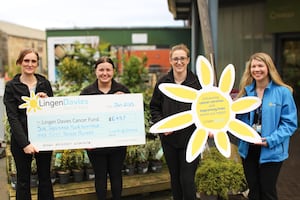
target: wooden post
207 34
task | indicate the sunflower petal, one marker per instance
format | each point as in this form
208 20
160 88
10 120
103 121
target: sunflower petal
245 104
243 131
196 144
227 79
173 123
179 92
223 143
204 72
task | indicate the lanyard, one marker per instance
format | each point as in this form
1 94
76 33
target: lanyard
258 115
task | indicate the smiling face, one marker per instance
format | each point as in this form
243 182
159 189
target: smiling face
104 72
29 63
259 71
179 61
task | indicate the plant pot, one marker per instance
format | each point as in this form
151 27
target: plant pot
89 174
13 181
142 168
129 169
204 196
53 177
64 176
155 166
78 175
34 180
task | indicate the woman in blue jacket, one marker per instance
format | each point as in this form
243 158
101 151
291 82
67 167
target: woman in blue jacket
275 120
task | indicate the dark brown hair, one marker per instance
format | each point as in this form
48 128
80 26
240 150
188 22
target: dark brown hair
23 53
104 59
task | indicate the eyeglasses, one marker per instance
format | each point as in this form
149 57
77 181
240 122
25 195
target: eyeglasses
181 59
28 61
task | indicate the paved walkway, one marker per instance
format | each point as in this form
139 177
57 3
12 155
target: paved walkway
289 178
288 183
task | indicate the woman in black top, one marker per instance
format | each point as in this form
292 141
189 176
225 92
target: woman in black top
21 148
108 160
175 143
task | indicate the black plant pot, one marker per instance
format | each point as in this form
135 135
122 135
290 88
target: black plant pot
142 168
155 166
129 169
34 180
64 177
89 174
78 175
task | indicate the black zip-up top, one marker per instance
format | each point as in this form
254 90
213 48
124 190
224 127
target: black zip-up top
93 88
17 118
161 106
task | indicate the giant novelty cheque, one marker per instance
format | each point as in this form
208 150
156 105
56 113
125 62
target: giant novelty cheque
89 121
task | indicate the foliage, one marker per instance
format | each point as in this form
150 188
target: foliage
86 161
12 166
142 153
76 68
72 72
135 74
130 155
218 175
76 159
61 160
6 130
155 149
33 166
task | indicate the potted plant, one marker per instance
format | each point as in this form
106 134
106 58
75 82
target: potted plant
52 168
89 171
33 176
155 155
219 176
76 164
142 155
12 172
130 160
62 167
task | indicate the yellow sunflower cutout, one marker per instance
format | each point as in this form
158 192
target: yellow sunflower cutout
212 111
31 103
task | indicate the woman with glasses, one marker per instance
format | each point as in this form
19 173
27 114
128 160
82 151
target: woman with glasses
22 150
175 143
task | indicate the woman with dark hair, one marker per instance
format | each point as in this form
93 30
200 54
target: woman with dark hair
275 120
22 150
109 160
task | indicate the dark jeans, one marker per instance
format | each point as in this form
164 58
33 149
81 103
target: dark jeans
182 173
108 161
261 178
23 165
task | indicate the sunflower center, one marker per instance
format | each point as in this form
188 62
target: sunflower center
213 110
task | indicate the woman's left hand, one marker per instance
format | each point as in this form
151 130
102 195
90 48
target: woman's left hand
262 143
119 92
42 94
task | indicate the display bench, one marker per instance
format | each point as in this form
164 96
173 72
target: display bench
132 185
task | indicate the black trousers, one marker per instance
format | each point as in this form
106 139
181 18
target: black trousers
261 178
23 166
182 173
108 161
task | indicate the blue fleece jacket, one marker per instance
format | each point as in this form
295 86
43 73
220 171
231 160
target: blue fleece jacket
279 122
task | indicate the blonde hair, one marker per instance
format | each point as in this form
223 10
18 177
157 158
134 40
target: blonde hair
180 47
247 79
